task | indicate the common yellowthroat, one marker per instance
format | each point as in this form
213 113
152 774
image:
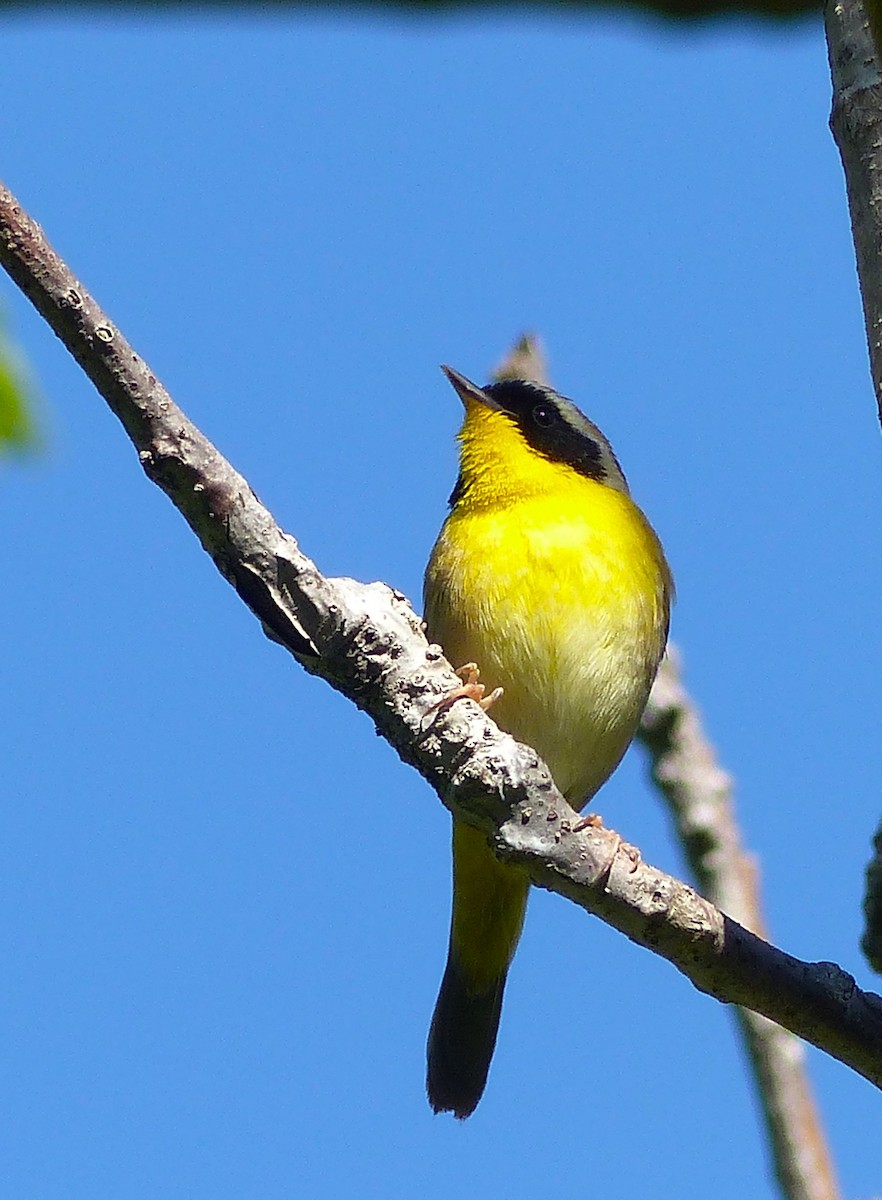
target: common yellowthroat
549 577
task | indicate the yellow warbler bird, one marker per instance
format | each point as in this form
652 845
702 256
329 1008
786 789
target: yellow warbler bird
549 577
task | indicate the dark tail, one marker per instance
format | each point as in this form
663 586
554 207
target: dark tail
461 1042
489 900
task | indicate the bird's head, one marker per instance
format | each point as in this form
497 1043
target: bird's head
522 435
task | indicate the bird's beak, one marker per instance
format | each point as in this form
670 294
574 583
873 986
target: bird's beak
468 391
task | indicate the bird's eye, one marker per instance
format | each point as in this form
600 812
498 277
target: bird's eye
543 415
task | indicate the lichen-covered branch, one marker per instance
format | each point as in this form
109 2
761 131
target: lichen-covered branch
368 643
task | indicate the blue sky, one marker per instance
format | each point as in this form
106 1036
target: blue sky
208 992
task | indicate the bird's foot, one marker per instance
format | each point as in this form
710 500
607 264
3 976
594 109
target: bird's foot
471 689
595 821
589 821
470 675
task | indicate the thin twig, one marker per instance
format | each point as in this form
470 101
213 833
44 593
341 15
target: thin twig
367 642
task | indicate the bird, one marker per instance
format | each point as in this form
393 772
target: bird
548 578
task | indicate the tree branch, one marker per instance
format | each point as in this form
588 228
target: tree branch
699 796
368 643
770 11
856 122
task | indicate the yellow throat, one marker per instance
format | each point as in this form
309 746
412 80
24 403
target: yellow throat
555 584
549 577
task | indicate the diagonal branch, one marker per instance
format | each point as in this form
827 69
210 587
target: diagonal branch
368 643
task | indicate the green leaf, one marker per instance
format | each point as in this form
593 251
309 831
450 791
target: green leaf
17 429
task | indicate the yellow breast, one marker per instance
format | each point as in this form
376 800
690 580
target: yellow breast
557 586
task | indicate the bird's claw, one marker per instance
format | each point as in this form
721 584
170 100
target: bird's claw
589 821
471 689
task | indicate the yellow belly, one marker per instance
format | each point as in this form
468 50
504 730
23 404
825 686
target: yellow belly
563 602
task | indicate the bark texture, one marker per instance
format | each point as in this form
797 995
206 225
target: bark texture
368 643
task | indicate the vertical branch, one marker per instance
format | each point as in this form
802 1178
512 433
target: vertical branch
854 32
856 123
699 796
